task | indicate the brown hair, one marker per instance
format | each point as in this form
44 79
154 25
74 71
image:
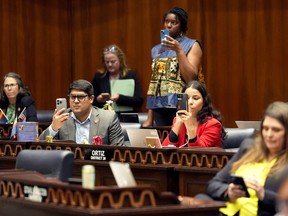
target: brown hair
259 151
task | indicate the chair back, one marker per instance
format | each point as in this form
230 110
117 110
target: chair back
235 136
51 163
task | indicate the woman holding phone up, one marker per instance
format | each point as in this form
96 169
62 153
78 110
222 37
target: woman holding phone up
200 125
175 61
260 162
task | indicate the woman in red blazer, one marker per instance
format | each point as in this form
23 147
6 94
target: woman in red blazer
200 125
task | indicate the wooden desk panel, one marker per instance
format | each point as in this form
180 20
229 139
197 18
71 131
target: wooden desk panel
66 199
10 207
182 171
160 177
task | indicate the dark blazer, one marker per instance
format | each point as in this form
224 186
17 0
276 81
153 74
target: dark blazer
219 184
21 102
103 123
101 84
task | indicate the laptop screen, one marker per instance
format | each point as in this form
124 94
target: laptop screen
140 137
122 174
248 124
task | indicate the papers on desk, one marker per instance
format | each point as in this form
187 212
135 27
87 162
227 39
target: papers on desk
27 131
123 87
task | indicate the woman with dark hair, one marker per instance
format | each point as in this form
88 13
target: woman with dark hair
260 162
175 61
200 125
15 99
115 68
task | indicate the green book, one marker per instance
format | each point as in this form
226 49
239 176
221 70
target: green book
122 87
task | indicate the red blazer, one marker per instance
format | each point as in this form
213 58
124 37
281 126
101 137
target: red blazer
209 134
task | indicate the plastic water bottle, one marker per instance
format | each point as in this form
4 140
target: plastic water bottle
88 176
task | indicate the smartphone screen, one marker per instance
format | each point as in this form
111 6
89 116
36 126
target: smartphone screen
238 180
61 103
182 101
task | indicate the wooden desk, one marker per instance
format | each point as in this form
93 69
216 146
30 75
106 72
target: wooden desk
58 198
197 166
182 171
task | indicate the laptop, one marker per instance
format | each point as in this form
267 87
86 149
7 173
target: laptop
122 174
147 138
248 124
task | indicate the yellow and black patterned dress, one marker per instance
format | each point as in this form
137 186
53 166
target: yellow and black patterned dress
166 77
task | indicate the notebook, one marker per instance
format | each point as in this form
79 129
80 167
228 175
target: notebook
122 174
248 124
144 138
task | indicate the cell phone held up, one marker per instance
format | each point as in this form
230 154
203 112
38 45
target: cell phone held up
163 33
61 103
238 180
182 102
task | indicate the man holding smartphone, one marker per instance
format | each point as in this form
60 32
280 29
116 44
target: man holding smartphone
83 122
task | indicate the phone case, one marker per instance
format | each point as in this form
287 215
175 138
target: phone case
61 103
238 180
182 101
164 32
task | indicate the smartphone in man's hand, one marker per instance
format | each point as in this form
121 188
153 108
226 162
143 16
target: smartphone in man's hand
61 103
238 180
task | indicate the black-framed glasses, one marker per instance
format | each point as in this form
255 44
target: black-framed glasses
12 85
80 98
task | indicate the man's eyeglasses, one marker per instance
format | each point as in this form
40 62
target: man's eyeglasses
79 97
12 85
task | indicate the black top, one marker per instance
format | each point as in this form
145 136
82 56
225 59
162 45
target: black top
21 102
101 84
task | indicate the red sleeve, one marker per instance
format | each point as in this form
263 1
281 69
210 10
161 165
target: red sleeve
208 134
181 137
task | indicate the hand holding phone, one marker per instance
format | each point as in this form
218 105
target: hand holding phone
105 96
238 180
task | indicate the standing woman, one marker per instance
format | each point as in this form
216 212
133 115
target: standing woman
15 97
200 125
261 162
115 68
176 61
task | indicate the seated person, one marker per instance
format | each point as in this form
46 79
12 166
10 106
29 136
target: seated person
260 161
115 68
83 121
282 199
16 100
200 125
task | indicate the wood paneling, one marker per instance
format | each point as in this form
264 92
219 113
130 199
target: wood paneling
50 43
